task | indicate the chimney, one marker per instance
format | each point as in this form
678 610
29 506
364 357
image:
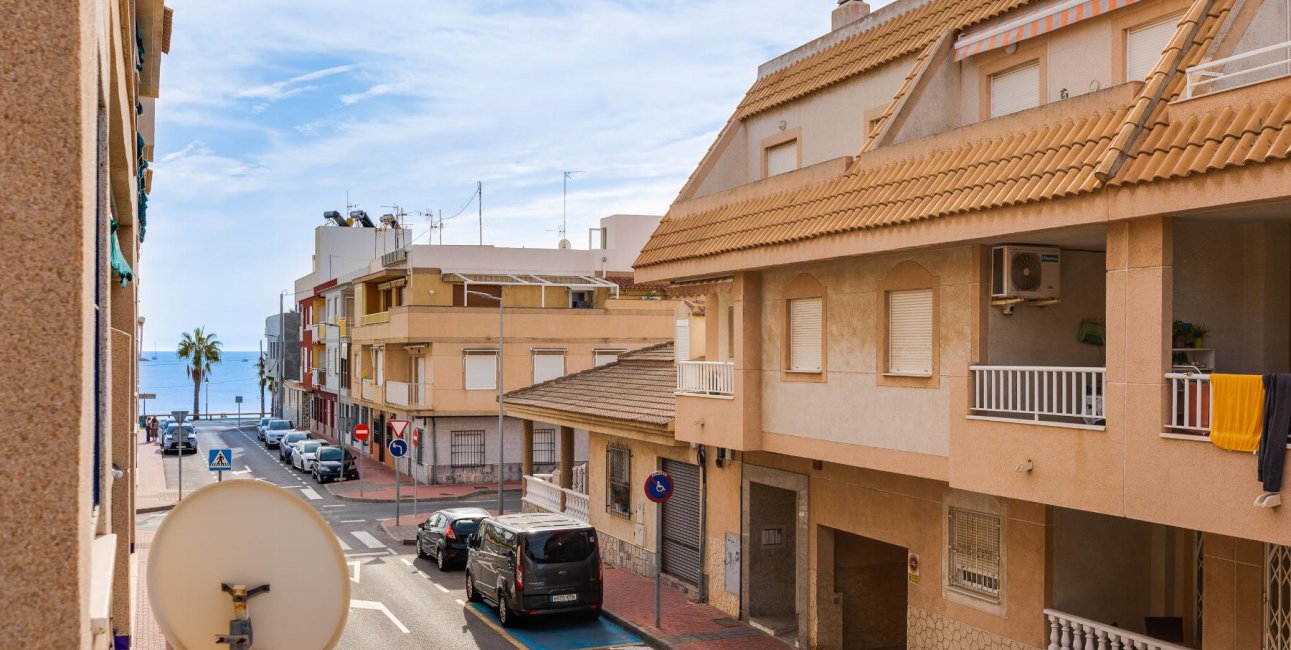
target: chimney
848 12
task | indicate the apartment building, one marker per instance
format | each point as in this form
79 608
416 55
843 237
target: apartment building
282 353
978 279
78 137
425 342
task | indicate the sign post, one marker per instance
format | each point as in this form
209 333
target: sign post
398 448
658 488
361 432
219 461
238 399
180 437
416 441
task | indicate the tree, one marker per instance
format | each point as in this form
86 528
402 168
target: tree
200 350
267 380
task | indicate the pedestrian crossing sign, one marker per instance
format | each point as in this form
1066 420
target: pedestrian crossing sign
219 460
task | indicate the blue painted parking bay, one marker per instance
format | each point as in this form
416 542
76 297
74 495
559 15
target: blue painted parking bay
558 632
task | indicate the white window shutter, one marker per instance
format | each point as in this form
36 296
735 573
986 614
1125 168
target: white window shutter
682 346
782 158
481 370
548 366
1015 90
910 332
605 357
1144 45
805 334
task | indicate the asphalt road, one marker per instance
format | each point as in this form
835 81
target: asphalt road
397 600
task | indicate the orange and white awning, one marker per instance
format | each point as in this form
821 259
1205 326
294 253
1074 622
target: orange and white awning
1035 24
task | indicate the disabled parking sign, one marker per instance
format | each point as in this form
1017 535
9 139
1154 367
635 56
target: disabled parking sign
658 487
219 460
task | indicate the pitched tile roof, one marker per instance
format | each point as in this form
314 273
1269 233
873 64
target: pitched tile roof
888 40
638 389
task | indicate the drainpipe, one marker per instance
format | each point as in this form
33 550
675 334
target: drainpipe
701 456
434 453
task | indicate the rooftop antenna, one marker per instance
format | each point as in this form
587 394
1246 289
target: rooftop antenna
430 216
479 194
564 196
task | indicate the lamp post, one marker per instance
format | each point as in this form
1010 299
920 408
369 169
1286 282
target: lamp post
501 375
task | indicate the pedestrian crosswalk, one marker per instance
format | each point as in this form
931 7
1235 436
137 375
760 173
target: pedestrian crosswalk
368 539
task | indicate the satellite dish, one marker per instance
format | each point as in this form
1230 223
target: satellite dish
248 533
565 245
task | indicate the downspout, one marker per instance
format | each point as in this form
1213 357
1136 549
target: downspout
434 452
701 456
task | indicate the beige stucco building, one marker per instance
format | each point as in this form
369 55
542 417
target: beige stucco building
945 388
81 81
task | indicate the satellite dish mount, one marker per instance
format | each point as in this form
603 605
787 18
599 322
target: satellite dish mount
239 636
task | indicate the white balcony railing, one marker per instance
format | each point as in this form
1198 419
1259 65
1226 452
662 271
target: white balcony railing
402 393
541 493
371 391
1039 393
706 377
1190 403
1239 70
1067 632
575 504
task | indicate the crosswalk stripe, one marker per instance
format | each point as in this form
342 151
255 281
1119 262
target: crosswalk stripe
344 546
310 494
367 539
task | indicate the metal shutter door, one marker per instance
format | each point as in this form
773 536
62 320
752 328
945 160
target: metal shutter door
910 332
683 340
1144 44
1015 90
681 523
804 334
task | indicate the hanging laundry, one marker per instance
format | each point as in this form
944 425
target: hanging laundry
1276 430
1238 414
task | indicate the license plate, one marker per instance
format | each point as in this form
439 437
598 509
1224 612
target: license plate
564 598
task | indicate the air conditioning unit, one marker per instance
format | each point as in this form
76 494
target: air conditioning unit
1026 272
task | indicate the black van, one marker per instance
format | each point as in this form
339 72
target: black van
535 563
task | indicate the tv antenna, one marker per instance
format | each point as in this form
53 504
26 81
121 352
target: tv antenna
434 225
564 199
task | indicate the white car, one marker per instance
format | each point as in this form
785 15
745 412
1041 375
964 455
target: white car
305 454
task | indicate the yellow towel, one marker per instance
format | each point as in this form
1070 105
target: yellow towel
1238 415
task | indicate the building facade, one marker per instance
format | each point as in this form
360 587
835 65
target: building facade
978 280
80 111
282 353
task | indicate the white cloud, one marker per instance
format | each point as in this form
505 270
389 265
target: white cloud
280 90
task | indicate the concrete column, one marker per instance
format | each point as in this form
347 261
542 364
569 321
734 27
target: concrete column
748 355
526 449
566 457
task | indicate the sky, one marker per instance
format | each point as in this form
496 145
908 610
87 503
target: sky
273 111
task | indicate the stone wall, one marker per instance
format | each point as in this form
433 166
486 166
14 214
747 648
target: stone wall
927 630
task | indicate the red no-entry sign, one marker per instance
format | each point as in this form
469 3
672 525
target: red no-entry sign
361 431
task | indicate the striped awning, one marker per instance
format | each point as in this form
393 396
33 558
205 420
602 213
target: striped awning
1035 24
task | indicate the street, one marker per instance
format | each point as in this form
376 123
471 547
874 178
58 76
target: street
397 599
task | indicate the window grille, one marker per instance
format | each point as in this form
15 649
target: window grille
974 553
618 498
467 449
544 446
1277 597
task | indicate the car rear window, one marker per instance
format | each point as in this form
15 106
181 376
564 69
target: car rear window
560 545
278 425
310 447
466 526
329 453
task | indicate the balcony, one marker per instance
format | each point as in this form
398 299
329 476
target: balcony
375 319
399 393
1190 404
343 327
1238 70
706 378
318 376
323 331
371 391
545 495
1047 395
1068 632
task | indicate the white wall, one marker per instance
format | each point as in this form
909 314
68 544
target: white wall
1046 336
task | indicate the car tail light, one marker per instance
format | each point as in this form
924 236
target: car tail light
600 572
449 533
519 573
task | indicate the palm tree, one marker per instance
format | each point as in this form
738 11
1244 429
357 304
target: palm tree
267 380
200 350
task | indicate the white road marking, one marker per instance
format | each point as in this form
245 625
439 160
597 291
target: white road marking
460 603
344 546
365 554
372 604
406 561
335 505
439 587
367 539
310 494
350 521
354 574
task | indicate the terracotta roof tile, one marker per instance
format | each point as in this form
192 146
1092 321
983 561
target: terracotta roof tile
638 389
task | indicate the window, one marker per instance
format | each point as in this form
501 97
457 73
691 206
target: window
1144 44
1015 90
544 446
605 357
466 448
548 365
581 299
782 158
910 332
974 553
463 299
481 369
805 334
618 488
683 340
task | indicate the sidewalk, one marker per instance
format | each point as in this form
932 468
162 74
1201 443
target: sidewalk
629 601
378 486
151 493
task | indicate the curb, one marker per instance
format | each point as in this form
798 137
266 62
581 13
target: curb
467 495
151 509
404 541
649 638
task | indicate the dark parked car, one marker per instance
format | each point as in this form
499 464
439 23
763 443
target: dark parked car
443 535
335 463
170 439
287 441
535 563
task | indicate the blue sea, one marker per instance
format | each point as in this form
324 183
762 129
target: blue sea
235 375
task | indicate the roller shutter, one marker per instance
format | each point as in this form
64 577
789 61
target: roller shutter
681 524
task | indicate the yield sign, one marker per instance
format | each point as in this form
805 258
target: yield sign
398 427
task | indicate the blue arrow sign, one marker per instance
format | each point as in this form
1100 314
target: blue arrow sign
219 460
658 487
398 448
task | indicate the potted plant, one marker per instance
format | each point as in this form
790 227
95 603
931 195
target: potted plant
1180 331
1197 336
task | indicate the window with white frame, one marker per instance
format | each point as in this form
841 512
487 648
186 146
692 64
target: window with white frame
544 446
805 319
605 357
1016 89
481 369
782 158
548 365
973 558
682 346
466 448
1144 45
910 332
618 481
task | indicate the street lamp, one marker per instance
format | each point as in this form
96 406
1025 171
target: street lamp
501 375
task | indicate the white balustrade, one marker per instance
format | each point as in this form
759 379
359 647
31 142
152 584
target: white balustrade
1242 69
1039 393
401 393
1190 402
371 391
706 377
1067 632
575 504
542 494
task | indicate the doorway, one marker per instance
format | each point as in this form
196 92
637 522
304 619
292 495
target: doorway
870 577
773 576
